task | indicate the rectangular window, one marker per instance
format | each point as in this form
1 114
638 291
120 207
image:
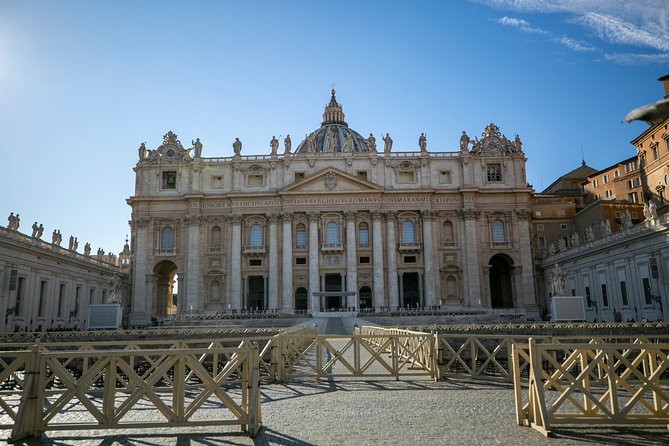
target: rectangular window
19 294
623 293
537 213
169 179
42 296
616 174
91 296
647 292
299 176
255 262
596 197
608 193
405 177
494 172
542 242
217 181
605 179
605 297
656 153
300 260
540 228
364 259
588 299
563 226
595 183
409 259
362 174
255 180
445 177
61 299
632 198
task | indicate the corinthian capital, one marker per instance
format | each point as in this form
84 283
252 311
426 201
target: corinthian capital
428 214
313 217
523 214
469 214
235 219
350 215
377 214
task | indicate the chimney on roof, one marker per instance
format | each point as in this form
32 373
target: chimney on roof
665 80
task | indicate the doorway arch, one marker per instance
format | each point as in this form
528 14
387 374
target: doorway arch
365 294
301 299
164 272
501 289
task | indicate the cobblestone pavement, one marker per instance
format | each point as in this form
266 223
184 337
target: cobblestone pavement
372 412
358 411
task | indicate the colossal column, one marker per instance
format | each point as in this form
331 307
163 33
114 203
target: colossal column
193 262
351 256
525 251
377 250
287 270
273 286
471 265
391 256
236 262
313 259
139 314
428 257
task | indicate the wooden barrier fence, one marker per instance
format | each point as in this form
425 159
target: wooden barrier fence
574 383
131 388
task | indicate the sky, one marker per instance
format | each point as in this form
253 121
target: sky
83 83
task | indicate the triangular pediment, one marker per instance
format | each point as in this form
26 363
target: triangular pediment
331 180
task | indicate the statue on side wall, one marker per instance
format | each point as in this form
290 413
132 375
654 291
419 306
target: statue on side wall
371 143
558 281
551 249
287 143
87 249
387 143
626 219
14 222
652 211
464 142
40 230
274 144
562 244
422 142
589 234
197 145
142 151
237 147
35 228
575 240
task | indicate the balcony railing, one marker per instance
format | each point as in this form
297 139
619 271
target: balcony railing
166 251
332 247
409 246
255 249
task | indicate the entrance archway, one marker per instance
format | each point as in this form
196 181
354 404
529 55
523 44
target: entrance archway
301 299
410 290
165 272
365 294
501 290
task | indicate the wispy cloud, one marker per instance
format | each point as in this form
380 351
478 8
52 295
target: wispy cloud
642 24
525 26
521 24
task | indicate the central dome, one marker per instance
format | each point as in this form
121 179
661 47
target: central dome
334 134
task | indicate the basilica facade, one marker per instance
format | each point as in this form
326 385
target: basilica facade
331 222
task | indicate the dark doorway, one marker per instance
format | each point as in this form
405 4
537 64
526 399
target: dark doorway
410 290
256 299
333 284
365 294
165 272
501 293
301 303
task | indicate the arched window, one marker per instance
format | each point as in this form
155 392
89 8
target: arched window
167 238
498 233
216 237
332 232
300 236
256 235
408 235
448 233
363 234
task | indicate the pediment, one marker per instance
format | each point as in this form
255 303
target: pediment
331 180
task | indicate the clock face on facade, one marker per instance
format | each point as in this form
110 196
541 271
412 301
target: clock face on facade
170 152
493 144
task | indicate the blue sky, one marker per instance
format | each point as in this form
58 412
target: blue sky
83 83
